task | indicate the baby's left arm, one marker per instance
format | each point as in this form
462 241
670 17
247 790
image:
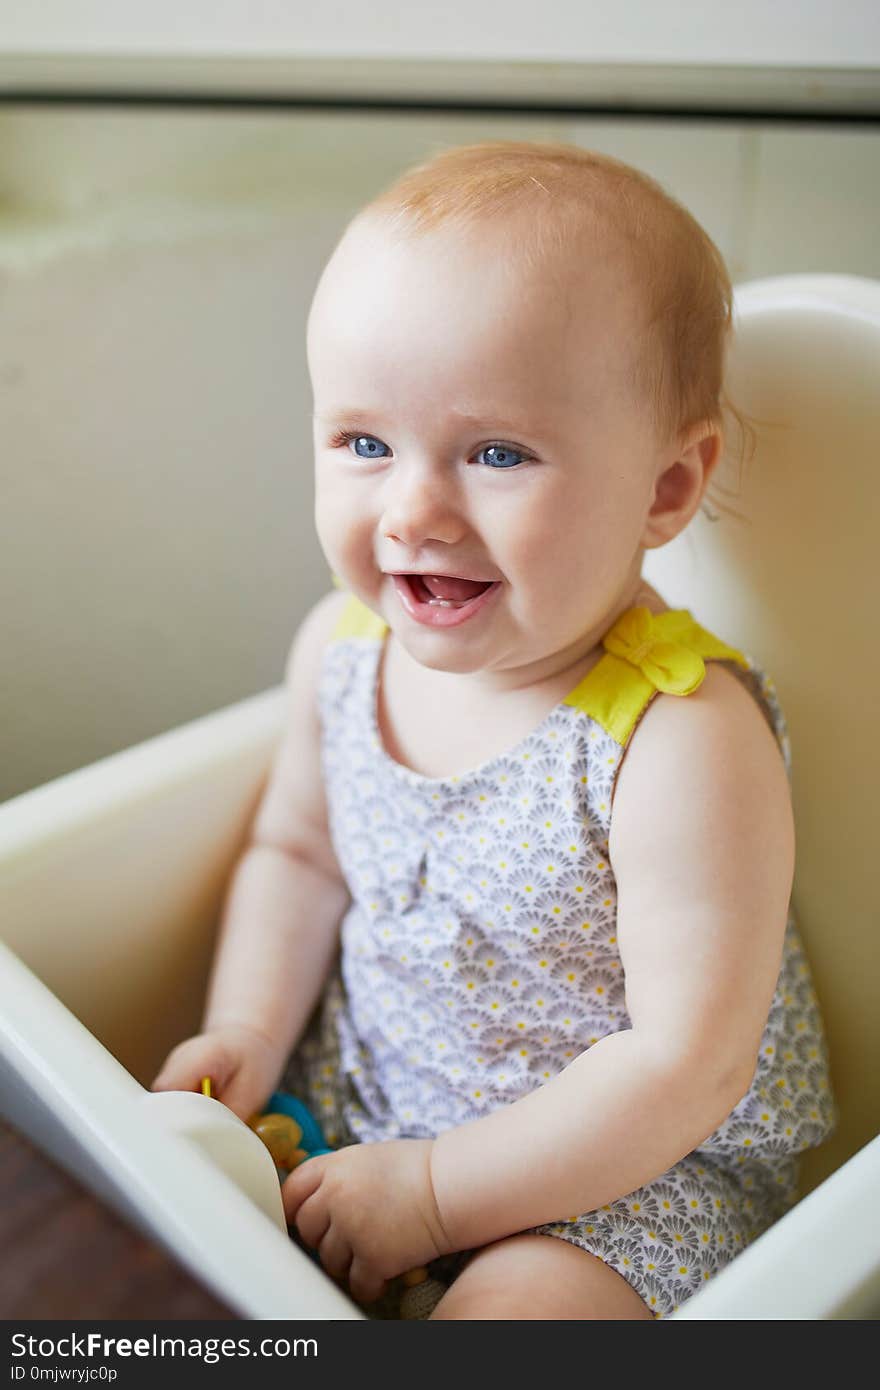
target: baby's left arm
702 847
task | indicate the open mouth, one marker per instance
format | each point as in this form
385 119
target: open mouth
442 600
444 590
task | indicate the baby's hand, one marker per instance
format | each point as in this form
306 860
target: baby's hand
242 1064
369 1211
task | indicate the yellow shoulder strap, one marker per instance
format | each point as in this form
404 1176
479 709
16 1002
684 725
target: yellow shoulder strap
357 620
646 653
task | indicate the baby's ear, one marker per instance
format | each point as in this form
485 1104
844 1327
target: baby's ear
684 473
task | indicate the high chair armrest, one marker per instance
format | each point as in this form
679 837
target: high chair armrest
111 878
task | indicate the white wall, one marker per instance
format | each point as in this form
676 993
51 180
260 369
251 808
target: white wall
820 33
155 272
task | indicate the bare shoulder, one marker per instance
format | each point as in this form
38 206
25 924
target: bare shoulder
293 813
312 636
702 771
720 726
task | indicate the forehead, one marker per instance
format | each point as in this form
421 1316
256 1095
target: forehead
470 316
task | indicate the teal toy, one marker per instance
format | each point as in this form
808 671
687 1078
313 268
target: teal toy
289 1130
313 1141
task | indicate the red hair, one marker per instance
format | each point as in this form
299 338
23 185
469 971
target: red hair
570 191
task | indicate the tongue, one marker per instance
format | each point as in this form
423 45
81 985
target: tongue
459 590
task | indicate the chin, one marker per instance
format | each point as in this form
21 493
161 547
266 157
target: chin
430 654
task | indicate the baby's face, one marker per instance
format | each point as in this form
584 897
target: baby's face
474 421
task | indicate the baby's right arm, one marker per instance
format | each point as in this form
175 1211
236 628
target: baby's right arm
280 923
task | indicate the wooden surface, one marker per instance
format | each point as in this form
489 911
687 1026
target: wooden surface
63 1254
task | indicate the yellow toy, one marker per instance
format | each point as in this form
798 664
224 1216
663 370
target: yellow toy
282 1136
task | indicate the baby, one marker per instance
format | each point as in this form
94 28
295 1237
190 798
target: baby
528 841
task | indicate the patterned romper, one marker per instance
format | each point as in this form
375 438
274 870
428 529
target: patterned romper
479 955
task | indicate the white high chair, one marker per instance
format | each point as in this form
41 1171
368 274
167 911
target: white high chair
111 877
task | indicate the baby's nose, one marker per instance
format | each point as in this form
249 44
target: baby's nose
421 507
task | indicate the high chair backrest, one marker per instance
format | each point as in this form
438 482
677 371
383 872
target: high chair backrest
795 584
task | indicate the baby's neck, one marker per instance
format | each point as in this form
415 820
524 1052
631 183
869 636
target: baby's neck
441 725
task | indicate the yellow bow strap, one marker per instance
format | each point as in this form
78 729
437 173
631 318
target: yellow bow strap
645 653
669 666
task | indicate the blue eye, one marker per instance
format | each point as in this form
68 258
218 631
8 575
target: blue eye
501 456
367 446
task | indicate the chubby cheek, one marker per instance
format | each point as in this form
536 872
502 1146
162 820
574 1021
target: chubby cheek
347 533
568 561
541 544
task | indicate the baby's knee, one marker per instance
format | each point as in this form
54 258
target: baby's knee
537 1277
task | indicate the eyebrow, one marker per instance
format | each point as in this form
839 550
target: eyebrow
336 414
344 417
480 420
355 417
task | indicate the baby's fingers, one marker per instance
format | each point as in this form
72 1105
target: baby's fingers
241 1091
300 1184
335 1254
190 1061
311 1218
365 1284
